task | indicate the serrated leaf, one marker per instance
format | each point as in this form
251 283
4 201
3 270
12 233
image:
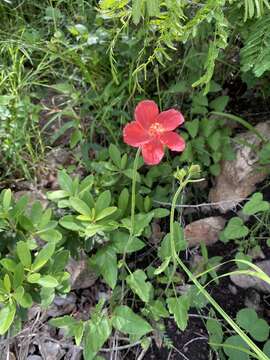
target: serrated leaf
220 103
178 307
121 243
138 284
115 155
96 333
126 321
192 127
105 261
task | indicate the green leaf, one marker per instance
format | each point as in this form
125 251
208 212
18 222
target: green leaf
26 301
72 326
215 169
137 10
105 261
7 283
24 254
220 103
215 331
208 127
158 309
58 194
48 281
178 87
192 127
236 343
50 235
60 261
120 242
260 330
141 222
70 223
7 314
18 293
266 348
75 138
214 140
123 200
36 212
96 334
246 318
65 181
178 307
152 7
80 206
47 295
235 229
7 199
160 213
43 256
103 201
115 155
33 278
8 264
264 154
138 284
105 212
163 266
126 321
255 205
165 250
18 275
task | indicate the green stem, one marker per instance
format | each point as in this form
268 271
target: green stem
133 191
219 309
172 242
133 202
259 354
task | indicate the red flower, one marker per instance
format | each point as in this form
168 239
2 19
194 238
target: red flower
152 131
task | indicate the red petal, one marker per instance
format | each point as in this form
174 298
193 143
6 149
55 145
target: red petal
135 135
152 152
170 119
146 112
174 141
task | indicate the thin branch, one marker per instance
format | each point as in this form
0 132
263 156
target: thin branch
202 204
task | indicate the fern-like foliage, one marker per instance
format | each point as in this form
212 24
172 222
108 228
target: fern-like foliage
255 55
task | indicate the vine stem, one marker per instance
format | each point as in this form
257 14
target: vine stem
176 260
133 201
172 242
133 191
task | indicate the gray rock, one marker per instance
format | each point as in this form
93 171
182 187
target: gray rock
206 230
238 177
248 281
81 275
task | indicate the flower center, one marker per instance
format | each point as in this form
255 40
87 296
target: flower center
155 129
